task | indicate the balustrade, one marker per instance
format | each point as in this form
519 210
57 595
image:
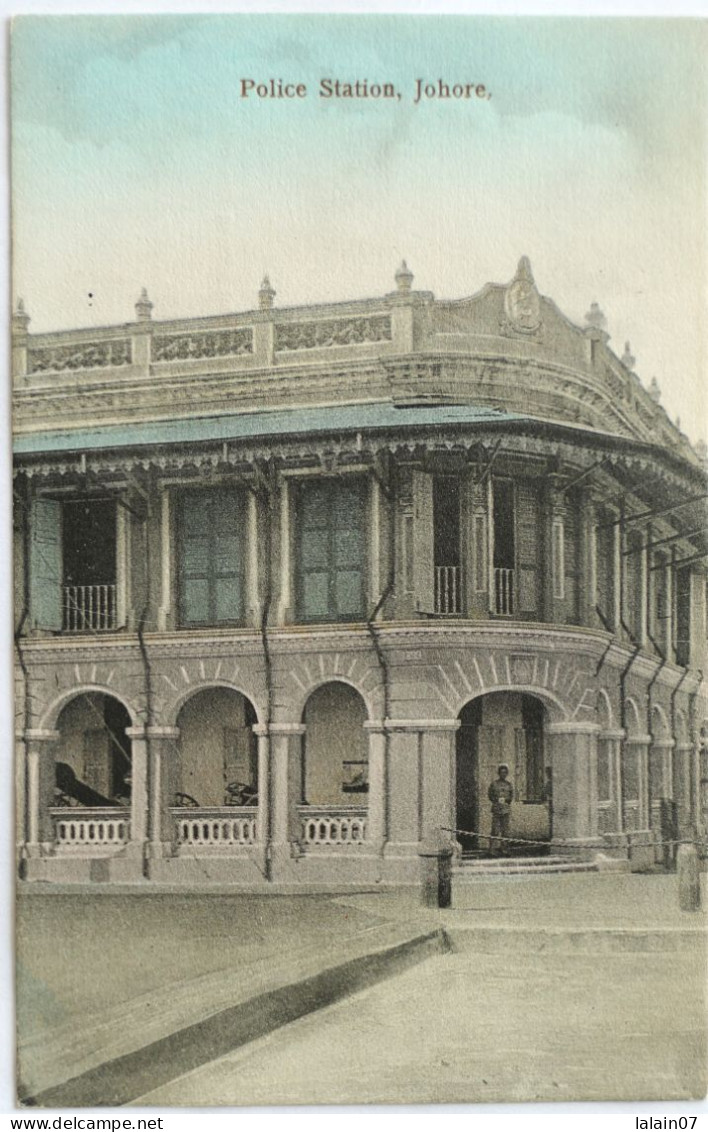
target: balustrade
447 589
102 829
89 609
215 827
332 826
503 590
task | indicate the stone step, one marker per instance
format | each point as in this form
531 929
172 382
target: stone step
516 865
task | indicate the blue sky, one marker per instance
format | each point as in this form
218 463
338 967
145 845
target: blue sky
136 163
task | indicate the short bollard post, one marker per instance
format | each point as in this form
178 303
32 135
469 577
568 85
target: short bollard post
436 876
689 879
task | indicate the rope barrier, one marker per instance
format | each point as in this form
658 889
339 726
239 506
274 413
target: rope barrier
531 841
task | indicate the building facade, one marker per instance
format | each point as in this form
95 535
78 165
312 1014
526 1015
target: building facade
291 583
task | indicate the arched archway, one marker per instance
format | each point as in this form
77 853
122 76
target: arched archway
335 764
218 763
93 756
495 729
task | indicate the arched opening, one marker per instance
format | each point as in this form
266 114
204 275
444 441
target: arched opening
218 755
93 753
335 763
502 728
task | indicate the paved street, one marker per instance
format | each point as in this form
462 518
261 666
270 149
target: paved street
578 986
471 1028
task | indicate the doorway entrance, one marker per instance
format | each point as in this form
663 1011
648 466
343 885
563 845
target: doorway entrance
502 728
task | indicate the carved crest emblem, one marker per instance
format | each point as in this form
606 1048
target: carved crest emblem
521 302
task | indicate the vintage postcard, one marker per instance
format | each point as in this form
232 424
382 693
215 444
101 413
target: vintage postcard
359 427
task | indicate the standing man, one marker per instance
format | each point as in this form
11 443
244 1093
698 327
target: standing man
500 794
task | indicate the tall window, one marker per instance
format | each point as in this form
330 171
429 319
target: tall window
211 544
331 550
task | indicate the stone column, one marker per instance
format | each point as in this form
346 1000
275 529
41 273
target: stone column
438 782
285 598
263 822
285 793
683 786
163 767
476 580
554 545
573 750
660 785
20 784
587 577
139 793
376 821
164 611
615 838
39 791
421 784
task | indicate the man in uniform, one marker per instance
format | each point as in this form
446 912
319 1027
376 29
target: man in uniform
500 794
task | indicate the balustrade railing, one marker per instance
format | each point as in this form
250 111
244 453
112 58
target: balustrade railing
332 826
215 827
503 590
89 609
447 589
107 828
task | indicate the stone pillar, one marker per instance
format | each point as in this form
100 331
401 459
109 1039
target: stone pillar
554 546
253 605
587 576
39 791
615 837
20 784
683 786
285 601
698 647
285 793
142 334
20 341
263 822
139 793
165 608
438 782
421 784
660 786
476 566
163 768
573 750
376 821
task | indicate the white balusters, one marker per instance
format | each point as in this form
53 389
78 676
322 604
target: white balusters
90 829
503 590
447 589
89 609
213 828
332 826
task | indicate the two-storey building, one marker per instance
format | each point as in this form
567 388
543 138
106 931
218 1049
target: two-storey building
291 583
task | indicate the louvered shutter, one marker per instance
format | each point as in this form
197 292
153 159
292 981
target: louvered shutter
46 564
528 547
211 558
423 548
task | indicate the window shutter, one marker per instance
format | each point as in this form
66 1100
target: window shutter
527 547
46 566
210 558
423 550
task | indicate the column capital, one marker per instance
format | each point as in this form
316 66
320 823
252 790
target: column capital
375 726
162 732
638 740
421 724
616 733
40 735
136 732
578 728
663 744
286 728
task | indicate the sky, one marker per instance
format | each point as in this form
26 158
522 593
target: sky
137 163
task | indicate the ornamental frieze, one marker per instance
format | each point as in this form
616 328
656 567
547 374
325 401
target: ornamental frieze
332 332
88 355
210 344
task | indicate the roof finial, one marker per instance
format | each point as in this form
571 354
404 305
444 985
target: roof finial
20 318
523 270
266 294
628 358
595 318
404 277
143 307
654 390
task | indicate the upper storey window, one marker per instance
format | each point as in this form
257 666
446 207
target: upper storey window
73 565
211 544
331 550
